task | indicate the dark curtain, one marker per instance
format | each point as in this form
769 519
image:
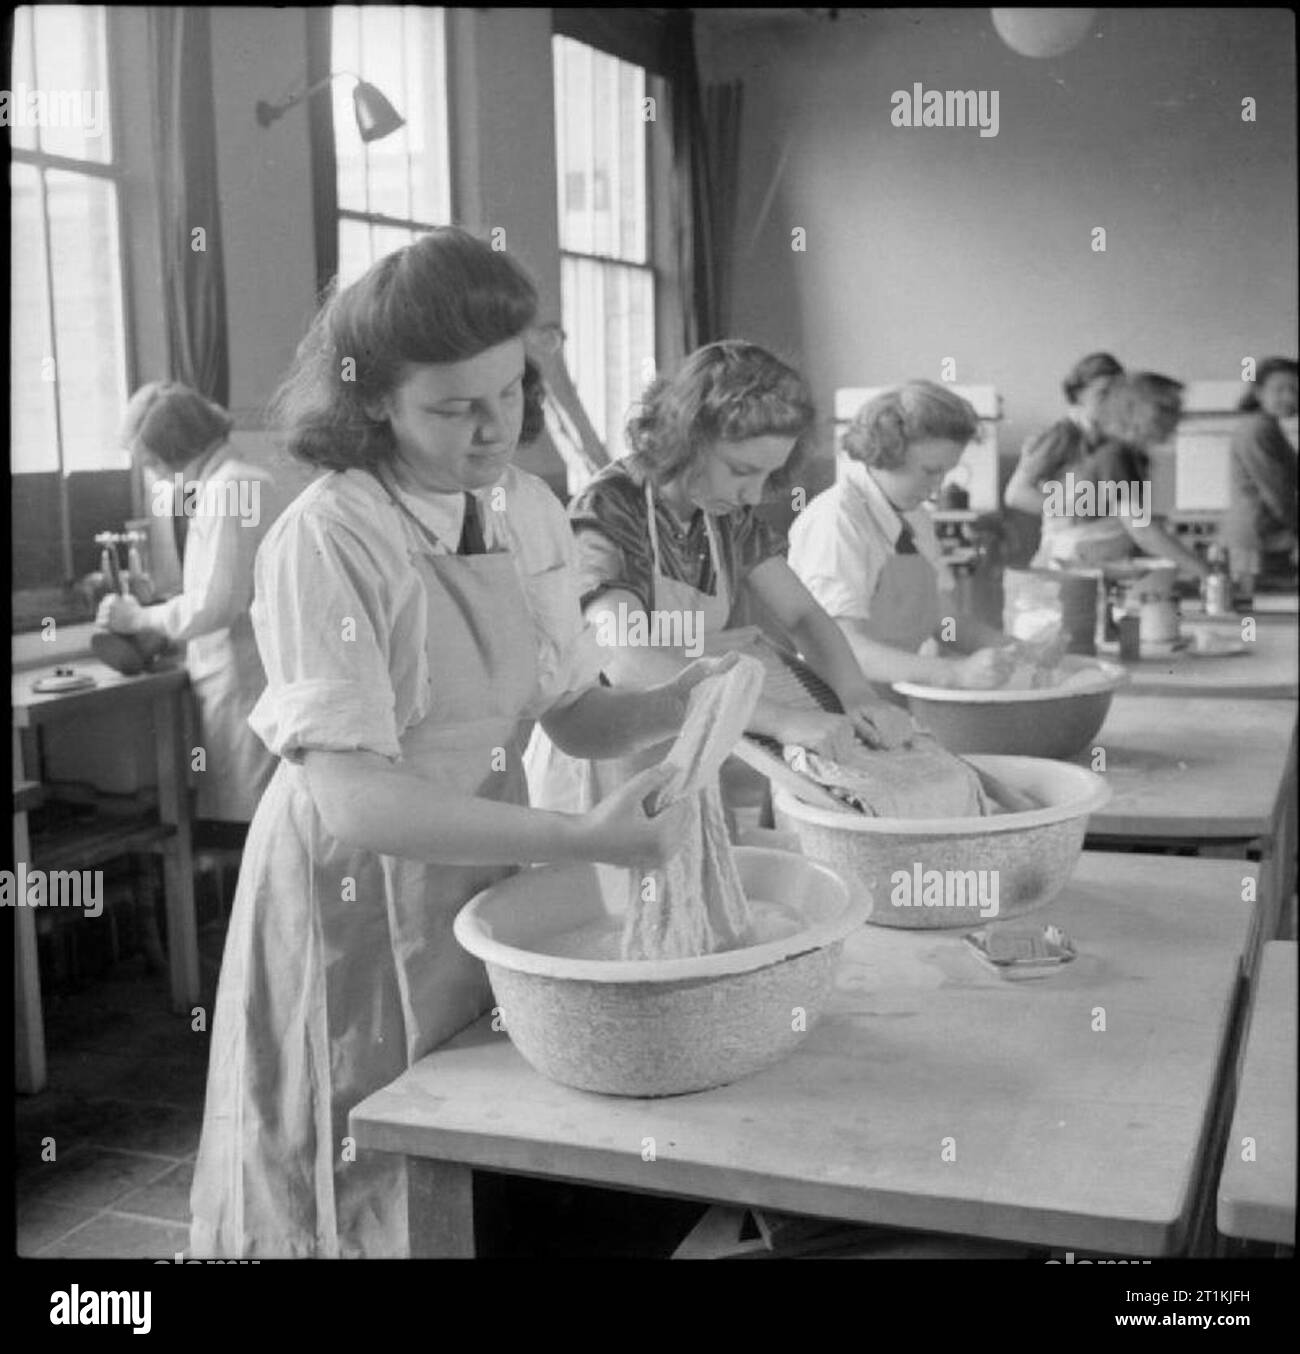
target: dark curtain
706 143
722 110
185 159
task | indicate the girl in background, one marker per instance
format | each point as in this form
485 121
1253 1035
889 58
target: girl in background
168 428
866 549
1049 454
1260 529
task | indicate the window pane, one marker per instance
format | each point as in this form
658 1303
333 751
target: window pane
32 444
401 51
354 249
89 328
600 152
361 243
609 317
72 81
22 77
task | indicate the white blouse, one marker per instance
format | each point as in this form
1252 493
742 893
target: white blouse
343 551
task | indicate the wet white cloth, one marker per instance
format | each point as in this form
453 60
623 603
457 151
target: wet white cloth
921 781
696 905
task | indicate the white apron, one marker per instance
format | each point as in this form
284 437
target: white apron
330 990
567 784
905 609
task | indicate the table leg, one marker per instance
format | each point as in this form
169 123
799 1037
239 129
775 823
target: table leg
29 1023
439 1209
29 1027
178 853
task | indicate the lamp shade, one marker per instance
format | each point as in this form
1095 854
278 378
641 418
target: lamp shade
1043 32
376 117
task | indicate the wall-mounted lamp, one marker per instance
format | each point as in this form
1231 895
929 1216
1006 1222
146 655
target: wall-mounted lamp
376 117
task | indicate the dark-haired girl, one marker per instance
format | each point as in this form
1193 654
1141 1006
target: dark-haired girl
1046 456
1260 529
416 613
672 528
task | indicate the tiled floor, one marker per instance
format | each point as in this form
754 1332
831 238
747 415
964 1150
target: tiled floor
106 1152
120 1120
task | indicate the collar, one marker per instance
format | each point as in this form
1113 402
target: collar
886 518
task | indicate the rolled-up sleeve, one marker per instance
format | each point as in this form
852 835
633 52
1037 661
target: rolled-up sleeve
325 630
836 559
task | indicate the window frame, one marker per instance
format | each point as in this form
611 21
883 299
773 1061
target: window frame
656 87
328 212
114 170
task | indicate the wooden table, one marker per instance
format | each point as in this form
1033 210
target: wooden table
1269 669
1063 1135
1257 1197
166 690
1215 775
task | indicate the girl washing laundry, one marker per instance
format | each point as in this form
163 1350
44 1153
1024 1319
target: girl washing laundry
866 549
416 612
673 528
1139 411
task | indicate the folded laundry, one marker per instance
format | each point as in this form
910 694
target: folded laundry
696 904
921 781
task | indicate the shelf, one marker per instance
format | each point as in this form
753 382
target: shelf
84 845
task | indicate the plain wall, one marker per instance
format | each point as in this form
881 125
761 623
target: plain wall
926 243
501 103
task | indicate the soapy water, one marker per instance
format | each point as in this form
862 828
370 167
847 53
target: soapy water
603 938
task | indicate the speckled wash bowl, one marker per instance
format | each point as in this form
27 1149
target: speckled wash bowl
656 1027
1050 722
1030 855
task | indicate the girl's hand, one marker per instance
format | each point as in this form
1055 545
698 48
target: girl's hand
879 723
984 669
1046 653
119 614
832 736
619 831
693 674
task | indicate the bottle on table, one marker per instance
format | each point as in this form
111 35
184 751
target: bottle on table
1216 589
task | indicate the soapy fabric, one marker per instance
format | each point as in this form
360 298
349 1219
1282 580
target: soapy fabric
921 781
1034 677
696 904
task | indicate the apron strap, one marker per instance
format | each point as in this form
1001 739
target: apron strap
715 553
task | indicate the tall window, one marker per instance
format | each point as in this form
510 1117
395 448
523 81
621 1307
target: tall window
607 274
393 189
67 365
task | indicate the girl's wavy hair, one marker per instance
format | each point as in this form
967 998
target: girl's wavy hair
1085 371
728 391
1141 408
913 412
446 297
170 423
1270 366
